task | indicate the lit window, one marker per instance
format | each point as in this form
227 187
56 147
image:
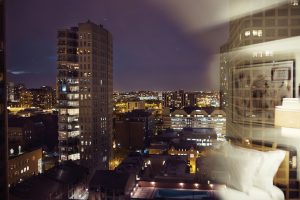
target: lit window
259 33
247 33
254 32
269 53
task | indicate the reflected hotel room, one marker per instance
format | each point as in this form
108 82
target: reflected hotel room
150 99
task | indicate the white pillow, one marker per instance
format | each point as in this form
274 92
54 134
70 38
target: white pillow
242 170
267 171
267 167
240 165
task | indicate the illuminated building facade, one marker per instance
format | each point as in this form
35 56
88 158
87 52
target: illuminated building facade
96 88
3 110
180 119
21 97
68 95
180 99
18 89
43 97
10 91
23 165
128 106
84 89
175 99
26 99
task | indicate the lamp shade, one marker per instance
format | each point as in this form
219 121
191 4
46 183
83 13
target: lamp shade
288 115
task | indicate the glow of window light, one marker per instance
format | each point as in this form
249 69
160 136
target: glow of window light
196 185
152 183
259 33
254 32
181 184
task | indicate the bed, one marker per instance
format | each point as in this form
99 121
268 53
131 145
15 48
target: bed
254 194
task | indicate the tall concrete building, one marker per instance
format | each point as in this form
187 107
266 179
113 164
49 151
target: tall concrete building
96 89
3 110
89 126
68 94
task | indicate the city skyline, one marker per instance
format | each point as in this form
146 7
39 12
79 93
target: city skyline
150 99
152 55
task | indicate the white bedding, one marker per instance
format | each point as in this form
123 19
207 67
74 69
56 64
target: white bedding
254 194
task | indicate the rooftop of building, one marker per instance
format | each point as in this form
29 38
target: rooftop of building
16 153
198 132
165 167
186 132
51 182
212 111
131 164
159 145
138 113
109 180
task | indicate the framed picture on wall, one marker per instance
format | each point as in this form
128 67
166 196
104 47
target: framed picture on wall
258 88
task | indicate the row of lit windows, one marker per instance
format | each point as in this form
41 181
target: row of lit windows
257 33
25 169
72 111
86 143
204 144
199 140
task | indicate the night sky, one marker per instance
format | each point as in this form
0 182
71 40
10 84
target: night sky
155 46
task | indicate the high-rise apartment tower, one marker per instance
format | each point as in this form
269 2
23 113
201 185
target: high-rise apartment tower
86 125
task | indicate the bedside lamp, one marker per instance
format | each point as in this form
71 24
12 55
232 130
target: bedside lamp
287 116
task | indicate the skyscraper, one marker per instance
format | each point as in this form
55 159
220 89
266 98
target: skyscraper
96 88
3 112
91 111
68 94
